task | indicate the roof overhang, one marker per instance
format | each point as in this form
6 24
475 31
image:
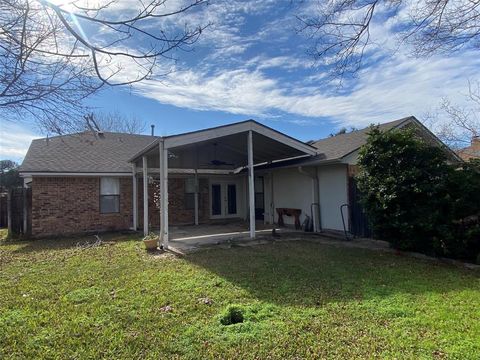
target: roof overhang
69 174
227 143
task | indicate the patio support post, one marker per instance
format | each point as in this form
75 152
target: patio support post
163 194
251 185
160 179
135 197
145 196
196 197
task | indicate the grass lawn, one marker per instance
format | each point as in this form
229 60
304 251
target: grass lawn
299 300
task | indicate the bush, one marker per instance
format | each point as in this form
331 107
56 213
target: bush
416 200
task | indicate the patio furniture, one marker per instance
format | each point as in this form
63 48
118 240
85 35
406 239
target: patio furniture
289 212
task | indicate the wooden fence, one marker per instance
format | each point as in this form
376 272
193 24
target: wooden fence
3 210
16 211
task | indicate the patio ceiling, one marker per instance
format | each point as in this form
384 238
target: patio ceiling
225 148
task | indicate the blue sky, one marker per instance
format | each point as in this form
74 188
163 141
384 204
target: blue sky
251 63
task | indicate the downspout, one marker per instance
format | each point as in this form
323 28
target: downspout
316 197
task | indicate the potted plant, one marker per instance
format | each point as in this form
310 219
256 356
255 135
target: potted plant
151 241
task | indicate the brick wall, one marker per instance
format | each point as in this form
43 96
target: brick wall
62 205
72 205
177 214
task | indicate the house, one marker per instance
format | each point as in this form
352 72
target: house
472 151
111 181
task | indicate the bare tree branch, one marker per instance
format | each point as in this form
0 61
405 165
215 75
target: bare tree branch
116 122
459 124
54 56
340 29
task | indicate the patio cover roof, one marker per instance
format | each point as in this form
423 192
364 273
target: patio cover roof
225 147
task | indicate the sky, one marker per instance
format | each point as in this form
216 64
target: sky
252 63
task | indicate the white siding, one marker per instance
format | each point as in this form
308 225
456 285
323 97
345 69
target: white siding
292 189
333 188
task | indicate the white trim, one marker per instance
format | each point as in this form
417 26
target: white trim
251 185
57 174
192 171
145 195
164 194
160 177
296 144
207 134
223 183
246 126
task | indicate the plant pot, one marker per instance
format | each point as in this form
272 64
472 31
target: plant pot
151 244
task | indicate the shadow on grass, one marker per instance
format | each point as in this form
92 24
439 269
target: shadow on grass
69 242
307 274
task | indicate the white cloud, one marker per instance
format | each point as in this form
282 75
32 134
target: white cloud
14 141
397 87
231 79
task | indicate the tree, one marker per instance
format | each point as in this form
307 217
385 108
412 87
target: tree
463 122
340 29
401 181
416 200
9 176
53 56
114 122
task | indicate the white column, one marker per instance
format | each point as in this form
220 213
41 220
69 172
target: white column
134 198
164 196
162 209
145 196
196 197
251 185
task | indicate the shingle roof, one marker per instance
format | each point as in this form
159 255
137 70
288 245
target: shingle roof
84 152
111 152
336 147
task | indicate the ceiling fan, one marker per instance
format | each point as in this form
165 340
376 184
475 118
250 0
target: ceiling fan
215 161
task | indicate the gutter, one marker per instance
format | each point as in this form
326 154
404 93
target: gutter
46 173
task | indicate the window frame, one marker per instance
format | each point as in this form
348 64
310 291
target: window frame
117 196
186 195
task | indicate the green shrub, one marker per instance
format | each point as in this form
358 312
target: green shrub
416 200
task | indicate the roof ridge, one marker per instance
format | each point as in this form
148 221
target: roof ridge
401 120
90 132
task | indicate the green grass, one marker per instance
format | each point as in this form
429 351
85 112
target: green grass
298 300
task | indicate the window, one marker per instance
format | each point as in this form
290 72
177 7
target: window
189 194
109 195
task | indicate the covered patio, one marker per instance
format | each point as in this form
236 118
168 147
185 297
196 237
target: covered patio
223 161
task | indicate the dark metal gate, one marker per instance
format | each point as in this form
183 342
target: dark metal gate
359 225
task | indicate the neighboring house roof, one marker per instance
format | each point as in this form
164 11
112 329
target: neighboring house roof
84 152
472 151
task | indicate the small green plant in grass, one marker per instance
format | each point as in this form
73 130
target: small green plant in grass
79 296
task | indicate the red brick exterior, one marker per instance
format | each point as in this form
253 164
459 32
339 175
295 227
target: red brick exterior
72 205
62 205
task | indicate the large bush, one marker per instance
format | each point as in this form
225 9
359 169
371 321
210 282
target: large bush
415 199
